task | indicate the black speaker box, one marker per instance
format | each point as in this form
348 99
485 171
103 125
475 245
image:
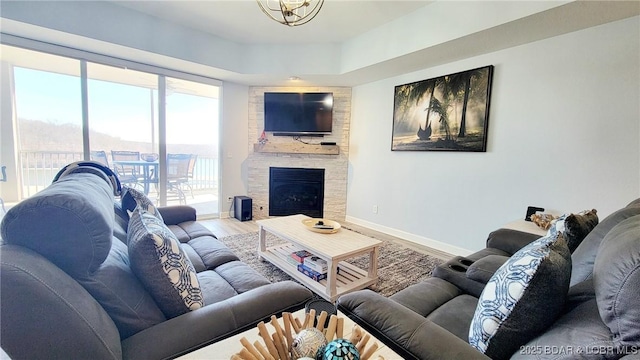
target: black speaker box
242 208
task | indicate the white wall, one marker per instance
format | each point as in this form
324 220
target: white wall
564 134
233 142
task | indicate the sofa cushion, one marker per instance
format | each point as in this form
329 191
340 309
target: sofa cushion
584 256
193 256
131 198
241 276
70 223
121 294
214 287
456 315
161 265
577 334
188 230
616 279
427 295
508 312
211 251
575 227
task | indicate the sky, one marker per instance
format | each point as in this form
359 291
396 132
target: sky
116 109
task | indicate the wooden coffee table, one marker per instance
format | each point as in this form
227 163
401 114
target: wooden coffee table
333 248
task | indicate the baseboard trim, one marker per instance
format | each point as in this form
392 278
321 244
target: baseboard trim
420 240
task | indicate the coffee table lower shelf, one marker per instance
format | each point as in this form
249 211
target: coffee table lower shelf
348 279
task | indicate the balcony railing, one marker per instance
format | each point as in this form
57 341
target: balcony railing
38 168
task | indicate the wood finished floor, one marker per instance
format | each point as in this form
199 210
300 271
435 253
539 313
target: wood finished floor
232 226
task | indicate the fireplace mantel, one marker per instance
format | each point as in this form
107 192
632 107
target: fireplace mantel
297 148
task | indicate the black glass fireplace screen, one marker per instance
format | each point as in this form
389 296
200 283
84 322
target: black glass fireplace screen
296 191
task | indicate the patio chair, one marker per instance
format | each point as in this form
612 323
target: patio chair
178 174
128 174
101 157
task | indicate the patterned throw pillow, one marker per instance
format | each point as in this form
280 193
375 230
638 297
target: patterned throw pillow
131 198
522 298
574 227
161 265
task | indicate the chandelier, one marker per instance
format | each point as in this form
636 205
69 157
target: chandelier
291 12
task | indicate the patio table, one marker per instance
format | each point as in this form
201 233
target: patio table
148 176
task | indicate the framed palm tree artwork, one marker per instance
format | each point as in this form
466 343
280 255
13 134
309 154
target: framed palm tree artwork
447 113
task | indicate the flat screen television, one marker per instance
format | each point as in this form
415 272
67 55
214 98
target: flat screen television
298 113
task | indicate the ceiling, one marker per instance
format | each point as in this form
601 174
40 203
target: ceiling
350 42
242 21
371 24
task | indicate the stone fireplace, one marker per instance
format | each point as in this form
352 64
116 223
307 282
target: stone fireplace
293 153
296 191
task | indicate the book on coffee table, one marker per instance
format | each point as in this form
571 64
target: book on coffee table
316 264
312 274
300 255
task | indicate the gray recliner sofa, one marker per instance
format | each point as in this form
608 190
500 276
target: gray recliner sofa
599 317
68 290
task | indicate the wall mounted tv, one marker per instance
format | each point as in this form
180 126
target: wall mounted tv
290 114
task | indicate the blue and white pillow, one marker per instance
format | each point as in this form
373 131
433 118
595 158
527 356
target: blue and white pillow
162 266
522 298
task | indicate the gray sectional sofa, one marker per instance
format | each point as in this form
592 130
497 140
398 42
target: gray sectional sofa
70 286
575 305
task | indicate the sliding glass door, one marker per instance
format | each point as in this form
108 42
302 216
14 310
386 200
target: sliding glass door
67 110
48 118
192 144
123 126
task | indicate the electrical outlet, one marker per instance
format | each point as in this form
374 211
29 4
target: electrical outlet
230 199
375 209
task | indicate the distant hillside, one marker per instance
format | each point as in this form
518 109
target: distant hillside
38 135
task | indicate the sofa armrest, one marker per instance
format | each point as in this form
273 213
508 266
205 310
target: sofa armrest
483 269
404 331
215 322
174 215
46 314
509 240
454 271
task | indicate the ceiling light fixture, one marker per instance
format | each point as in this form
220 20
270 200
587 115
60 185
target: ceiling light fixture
291 12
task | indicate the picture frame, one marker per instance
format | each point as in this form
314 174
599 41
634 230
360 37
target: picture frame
446 113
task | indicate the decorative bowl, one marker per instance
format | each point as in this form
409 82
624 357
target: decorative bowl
150 157
323 226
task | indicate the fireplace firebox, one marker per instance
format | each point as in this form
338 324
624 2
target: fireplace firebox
296 191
